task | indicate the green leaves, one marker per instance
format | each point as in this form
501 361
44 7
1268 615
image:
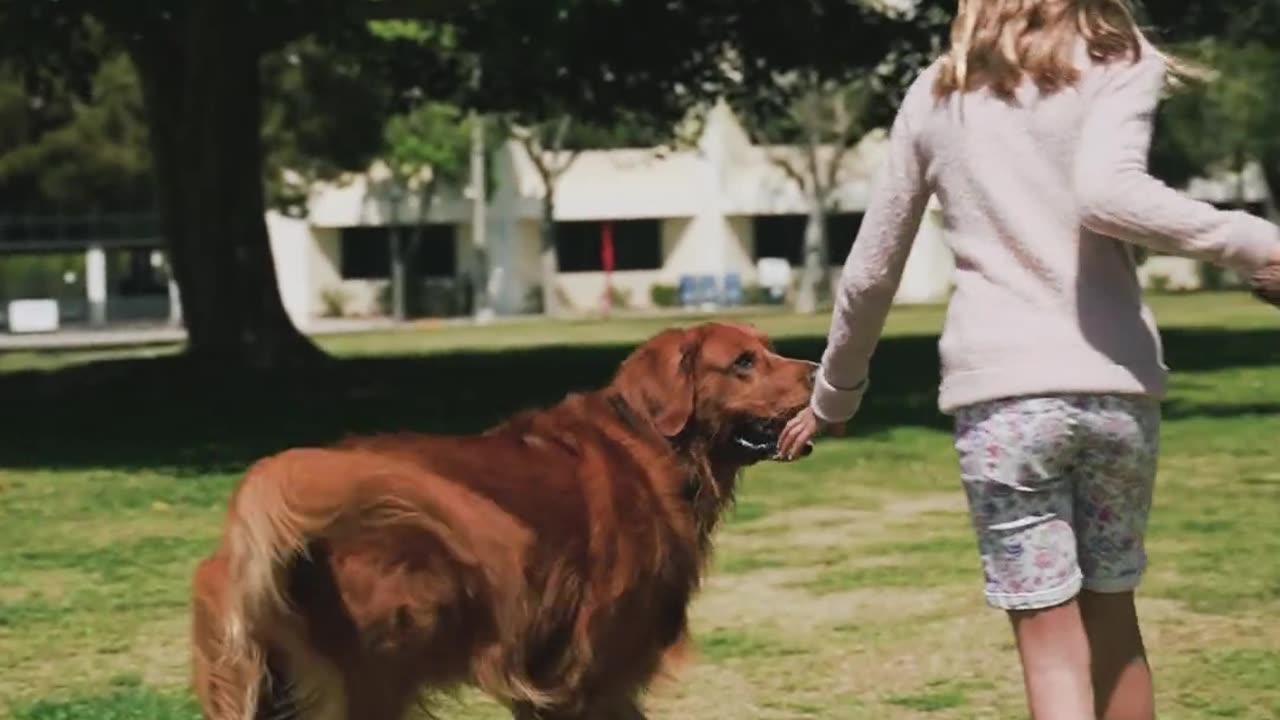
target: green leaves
94 158
429 145
349 87
1232 120
1237 21
1236 115
322 116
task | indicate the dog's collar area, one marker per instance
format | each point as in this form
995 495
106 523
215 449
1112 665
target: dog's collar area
694 484
625 413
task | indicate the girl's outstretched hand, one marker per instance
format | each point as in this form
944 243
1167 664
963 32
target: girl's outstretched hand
1266 284
799 432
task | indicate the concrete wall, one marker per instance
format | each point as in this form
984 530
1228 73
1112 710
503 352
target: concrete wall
356 297
585 290
330 293
293 249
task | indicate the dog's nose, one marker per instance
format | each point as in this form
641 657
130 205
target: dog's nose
813 373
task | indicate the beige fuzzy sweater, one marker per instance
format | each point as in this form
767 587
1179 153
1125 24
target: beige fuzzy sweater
1041 200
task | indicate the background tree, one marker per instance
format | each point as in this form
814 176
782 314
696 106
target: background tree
70 153
203 96
1190 20
1233 118
571 76
324 111
551 147
810 143
545 145
426 148
822 95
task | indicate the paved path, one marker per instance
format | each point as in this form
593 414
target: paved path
133 335
83 337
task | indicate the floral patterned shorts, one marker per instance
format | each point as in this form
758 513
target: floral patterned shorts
1059 492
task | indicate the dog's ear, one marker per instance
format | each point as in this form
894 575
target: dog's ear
657 380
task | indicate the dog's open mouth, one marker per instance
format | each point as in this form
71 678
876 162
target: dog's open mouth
759 438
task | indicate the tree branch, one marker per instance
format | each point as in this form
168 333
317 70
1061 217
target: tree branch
846 130
782 162
544 160
533 150
833 169
566 158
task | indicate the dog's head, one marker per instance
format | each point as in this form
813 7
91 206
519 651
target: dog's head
720 385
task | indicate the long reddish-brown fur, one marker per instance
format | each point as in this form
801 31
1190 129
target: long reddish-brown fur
549 561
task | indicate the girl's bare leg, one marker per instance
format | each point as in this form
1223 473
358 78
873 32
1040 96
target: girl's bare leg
1054 650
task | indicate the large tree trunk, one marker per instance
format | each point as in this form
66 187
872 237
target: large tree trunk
1271 171
814 276
550 265
203 101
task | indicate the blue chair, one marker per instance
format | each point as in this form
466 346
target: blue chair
688 291
706 289
733 290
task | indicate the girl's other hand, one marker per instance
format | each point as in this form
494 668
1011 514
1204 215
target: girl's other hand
1265 283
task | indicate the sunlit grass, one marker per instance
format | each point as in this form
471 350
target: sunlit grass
845 586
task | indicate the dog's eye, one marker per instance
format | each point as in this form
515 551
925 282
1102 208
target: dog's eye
745 361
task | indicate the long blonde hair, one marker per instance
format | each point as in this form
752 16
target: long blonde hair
997 43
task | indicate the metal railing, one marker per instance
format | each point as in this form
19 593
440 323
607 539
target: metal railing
20 233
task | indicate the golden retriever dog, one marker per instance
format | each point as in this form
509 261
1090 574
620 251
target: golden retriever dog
549 561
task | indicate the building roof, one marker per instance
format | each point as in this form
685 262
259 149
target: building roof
723 173
758 184
621 183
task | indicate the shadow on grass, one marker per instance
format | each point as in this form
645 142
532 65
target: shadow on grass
167 413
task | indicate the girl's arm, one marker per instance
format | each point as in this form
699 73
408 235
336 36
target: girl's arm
872 273
1120 199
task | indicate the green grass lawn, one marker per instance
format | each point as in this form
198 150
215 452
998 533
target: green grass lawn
846 586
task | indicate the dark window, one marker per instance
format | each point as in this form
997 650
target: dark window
366 251
131 273
637 245
782 236
436 254
842 229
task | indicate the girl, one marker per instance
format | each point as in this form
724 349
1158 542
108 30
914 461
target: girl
1033 132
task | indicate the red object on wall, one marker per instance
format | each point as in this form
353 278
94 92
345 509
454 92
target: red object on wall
606 247
606 262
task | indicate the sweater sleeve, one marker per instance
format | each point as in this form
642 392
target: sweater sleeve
872 272
1120 199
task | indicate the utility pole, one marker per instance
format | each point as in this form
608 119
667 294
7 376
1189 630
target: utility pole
398 272
483 295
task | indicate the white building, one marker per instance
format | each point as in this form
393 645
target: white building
712 210
708 212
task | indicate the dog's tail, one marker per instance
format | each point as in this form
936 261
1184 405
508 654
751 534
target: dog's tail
289 501
283 504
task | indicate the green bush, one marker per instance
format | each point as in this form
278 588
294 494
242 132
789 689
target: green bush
334 301
664 296
757 295
619 298
1212 277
